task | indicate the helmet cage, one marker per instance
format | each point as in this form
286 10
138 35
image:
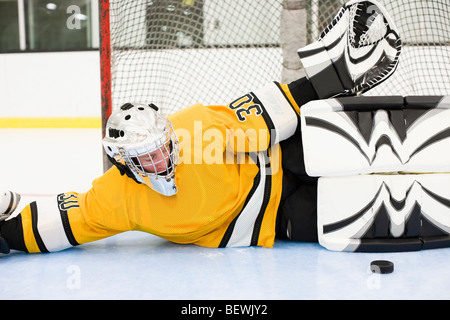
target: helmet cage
140 158
144 142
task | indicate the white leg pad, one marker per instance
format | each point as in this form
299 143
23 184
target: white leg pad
362 135
379 213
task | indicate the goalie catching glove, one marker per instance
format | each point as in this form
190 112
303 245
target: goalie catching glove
358 50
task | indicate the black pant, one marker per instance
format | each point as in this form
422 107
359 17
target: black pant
297 213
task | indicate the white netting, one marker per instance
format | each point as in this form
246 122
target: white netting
178 52
376 28
424 65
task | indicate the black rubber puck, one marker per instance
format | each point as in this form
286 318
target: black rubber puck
382 266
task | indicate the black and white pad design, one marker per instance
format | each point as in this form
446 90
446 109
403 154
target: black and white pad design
362 135
8 203
359 49
384 213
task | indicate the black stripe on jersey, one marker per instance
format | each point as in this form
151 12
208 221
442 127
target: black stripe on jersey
34 224
229 232
67 228
65 219
227 235
266 117
259 219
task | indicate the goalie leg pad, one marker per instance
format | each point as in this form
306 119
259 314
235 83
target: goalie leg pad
384 213
360 135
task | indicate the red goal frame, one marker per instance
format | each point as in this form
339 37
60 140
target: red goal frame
105 69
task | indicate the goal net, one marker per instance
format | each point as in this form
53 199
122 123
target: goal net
174 53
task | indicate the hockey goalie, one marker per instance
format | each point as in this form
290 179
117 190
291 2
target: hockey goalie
274 162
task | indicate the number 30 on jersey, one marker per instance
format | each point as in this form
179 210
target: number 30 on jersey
245 106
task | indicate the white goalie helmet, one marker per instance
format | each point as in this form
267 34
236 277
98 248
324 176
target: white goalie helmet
139 139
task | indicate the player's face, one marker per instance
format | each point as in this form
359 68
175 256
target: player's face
156 161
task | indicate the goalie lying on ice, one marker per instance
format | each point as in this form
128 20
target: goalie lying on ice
234 175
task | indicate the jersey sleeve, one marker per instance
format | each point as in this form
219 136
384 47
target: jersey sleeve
259 119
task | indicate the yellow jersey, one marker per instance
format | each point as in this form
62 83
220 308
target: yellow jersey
229 180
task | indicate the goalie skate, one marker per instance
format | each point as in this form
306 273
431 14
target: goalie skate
8 203
358 50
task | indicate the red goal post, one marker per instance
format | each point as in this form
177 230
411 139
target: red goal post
105 61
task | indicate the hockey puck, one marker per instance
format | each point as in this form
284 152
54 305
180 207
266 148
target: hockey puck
382 266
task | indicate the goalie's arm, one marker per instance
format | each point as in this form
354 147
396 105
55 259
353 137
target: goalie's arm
260 119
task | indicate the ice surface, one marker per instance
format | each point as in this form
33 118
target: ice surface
135 265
